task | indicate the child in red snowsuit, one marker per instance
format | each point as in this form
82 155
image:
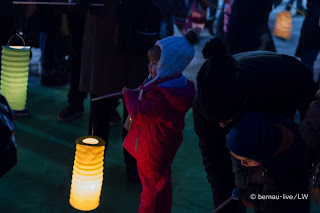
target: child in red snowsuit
157 115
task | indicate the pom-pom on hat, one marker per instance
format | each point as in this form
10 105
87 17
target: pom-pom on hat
219 94
176 54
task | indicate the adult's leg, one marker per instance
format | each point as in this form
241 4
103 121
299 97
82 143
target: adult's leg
287 6
48 47
99 118
212 16
308 57
131 163
216 161
75 96
219 27
300 6
115 118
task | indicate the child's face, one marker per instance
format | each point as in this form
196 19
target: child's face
246 161
153 68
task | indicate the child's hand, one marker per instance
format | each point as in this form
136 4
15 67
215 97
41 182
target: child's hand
124 89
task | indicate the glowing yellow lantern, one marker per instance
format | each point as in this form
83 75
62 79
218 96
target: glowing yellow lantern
87 174
283 25
14 74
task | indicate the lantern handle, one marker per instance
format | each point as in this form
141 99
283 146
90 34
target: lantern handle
16 34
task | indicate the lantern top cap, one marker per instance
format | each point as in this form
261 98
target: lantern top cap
90 141
16 47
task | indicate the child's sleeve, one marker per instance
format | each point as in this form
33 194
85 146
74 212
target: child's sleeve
150 109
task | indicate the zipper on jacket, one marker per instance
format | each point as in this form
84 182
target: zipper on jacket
136 146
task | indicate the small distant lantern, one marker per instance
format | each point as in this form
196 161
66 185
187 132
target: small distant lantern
14 74
283 25
87 174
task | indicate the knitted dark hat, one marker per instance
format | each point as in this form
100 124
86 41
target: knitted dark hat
254 136
219 95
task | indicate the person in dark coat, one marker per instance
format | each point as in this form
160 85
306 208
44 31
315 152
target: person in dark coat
47 21
273 152
248 28
257 81
116 40
309 42
75 108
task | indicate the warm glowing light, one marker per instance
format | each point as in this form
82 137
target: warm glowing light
90 141
14 75
16 47
87 174
283 25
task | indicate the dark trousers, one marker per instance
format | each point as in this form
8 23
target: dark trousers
213 10
76 26
100 117
217 162
308 57
48 47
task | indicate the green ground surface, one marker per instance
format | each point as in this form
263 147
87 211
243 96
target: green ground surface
40 182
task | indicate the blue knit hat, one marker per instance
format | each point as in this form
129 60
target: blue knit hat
254 136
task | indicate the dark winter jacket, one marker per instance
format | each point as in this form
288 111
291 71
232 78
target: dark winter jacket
158 120
276 144
273 83
310 31
285 179
248 26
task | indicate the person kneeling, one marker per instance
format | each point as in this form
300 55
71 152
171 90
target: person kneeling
273 153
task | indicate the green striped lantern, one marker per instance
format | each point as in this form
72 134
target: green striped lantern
14 75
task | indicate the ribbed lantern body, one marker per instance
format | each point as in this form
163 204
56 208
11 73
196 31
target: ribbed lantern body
87 174
283 25
14 75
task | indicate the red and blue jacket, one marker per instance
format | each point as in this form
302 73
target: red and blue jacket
158 120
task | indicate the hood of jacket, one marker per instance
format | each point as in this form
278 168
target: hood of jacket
178 90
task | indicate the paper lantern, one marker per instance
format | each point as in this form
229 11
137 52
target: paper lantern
87 174
14 75
283 25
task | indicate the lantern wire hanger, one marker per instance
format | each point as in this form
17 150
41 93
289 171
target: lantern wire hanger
19 36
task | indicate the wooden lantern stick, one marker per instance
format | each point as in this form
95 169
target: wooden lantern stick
110 95
299 11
